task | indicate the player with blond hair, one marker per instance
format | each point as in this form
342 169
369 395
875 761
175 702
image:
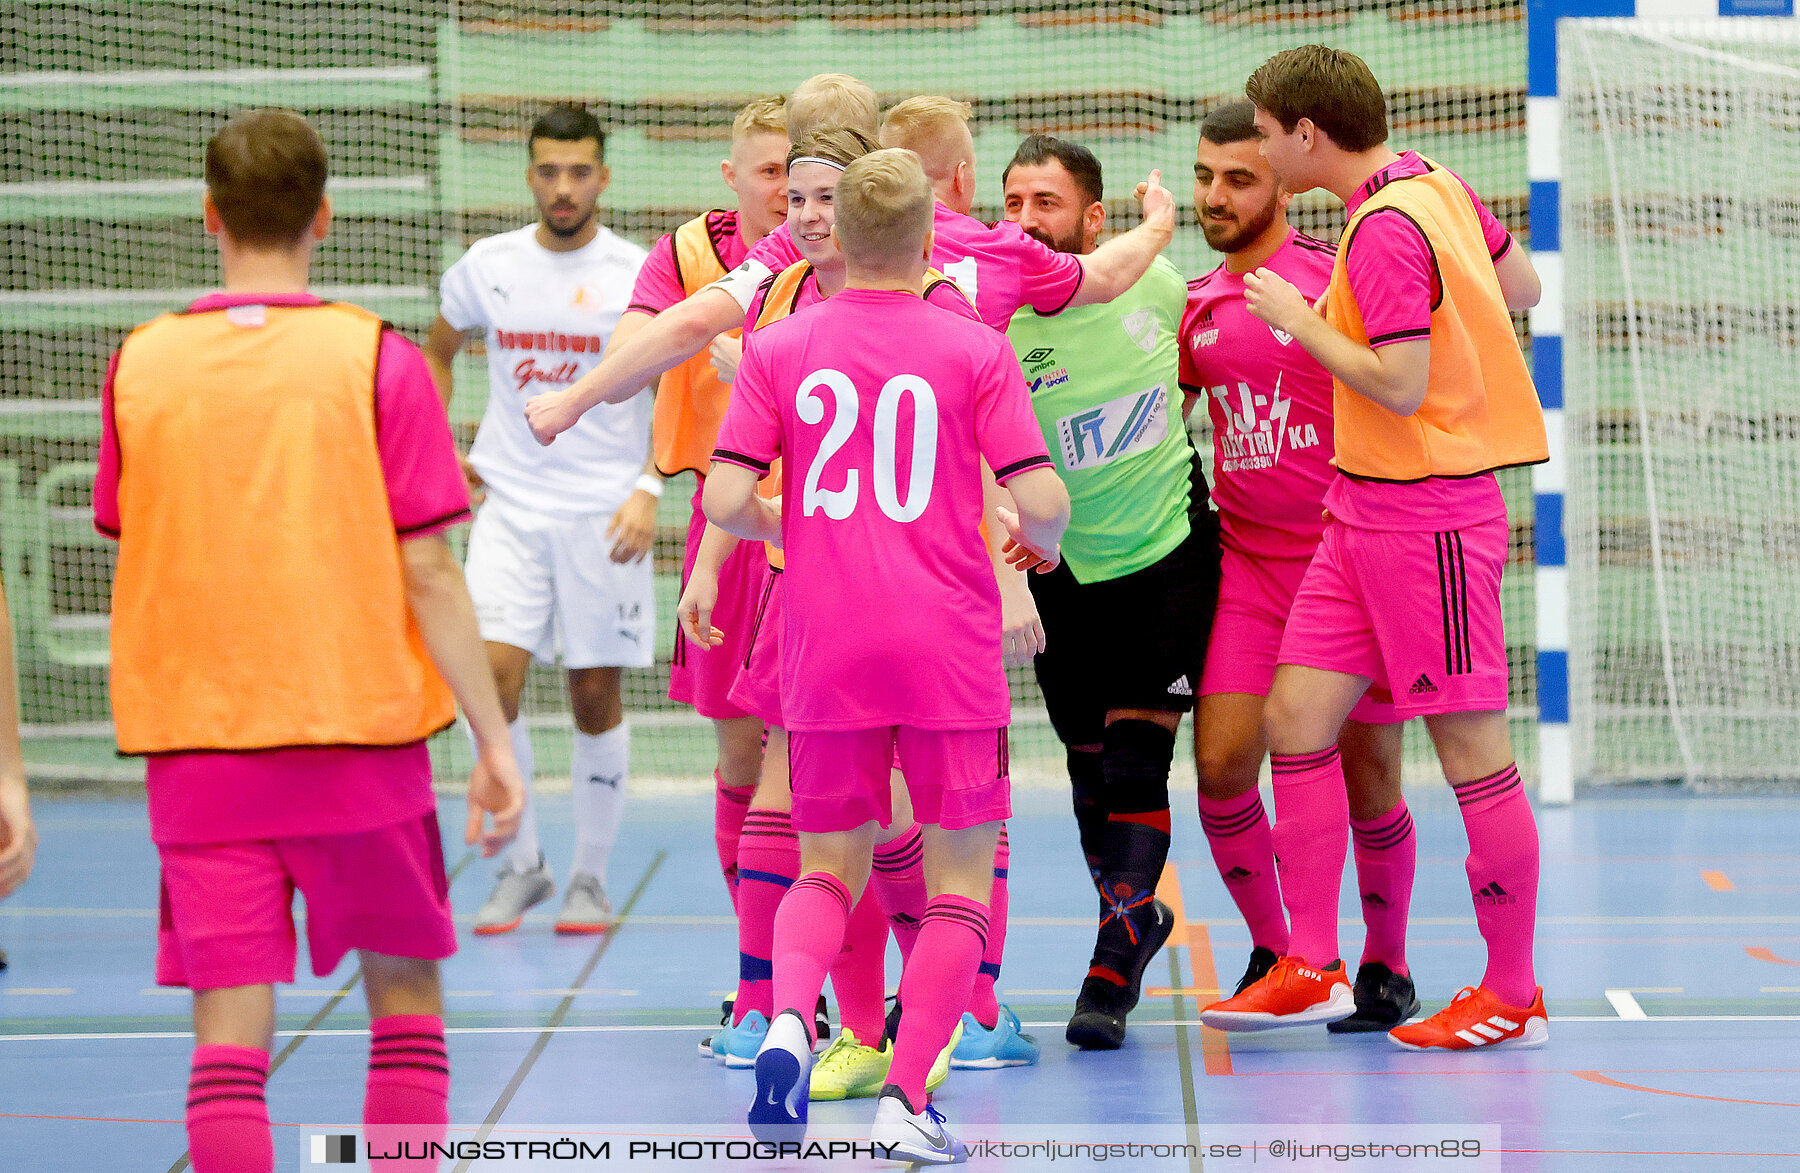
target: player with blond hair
933 690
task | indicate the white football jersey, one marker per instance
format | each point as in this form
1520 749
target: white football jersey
547 317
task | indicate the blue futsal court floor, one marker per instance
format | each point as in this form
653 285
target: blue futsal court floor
1669 948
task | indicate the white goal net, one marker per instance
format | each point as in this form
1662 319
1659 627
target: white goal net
1681 241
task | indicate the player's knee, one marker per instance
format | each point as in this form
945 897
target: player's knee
1290 726
1087 781
1371 756
740 752
1136 761
1227 768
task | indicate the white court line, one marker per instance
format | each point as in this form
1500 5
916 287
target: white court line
39 991
1781 989
583 992
1626 1005
701 1028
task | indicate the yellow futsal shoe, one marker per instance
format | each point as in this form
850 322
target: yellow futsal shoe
850 1068
940 1067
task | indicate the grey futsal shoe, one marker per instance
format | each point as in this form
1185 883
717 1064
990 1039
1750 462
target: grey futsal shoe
585 908
514 892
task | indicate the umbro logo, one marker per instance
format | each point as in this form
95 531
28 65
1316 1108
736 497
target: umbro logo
1494 894
1041 354
1181 687
1238 875
1422 685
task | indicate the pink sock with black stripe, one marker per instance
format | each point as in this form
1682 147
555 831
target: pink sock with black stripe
898 873
984 1003
768 861
227 1112
1311 837
730 805
1386 851
406 1106
1243 849
809 934
1503 878
934 987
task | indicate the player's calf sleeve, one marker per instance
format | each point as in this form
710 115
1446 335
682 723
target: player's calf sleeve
227 1114
730 805
1311 835
809 934
406 1108
1087 784
984 1004
598 769
858 976
523 853
1135 843
898 874
768 861
1386 851
935 987
1503 878
1243 849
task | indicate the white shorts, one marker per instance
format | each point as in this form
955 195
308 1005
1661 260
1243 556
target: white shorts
548 585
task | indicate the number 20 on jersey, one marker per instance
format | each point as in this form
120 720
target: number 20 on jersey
844 405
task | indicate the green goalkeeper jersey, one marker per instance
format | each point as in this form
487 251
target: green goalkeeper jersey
1103 384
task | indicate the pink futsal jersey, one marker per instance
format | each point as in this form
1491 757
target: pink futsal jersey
998 266
1270 404
892 613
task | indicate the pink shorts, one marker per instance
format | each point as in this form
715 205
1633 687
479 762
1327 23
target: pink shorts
757 689
227 908
703 678
1417 613
1256 596
957 778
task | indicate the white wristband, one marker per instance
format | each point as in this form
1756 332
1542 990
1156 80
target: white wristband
651 485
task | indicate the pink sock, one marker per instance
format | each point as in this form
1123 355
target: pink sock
1503 878
227 1114
407 1104
859 976
984 1004
1243 849
768 861
934 988
809 934
1386 850
899 878
730 805
1311 835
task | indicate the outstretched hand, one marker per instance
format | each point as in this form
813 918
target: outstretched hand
1019 553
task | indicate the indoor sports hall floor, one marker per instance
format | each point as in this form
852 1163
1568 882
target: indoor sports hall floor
1669 949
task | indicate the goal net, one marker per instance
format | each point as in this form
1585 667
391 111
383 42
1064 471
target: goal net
1681 241
425 105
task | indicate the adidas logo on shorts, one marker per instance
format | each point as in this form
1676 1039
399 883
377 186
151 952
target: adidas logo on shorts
1181 687
1422 685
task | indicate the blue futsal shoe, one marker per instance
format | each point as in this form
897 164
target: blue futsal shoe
783 1077
737 1044
984 1049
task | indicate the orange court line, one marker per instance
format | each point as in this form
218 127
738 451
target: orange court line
1168 890
1605 1081
1764 954
1718 881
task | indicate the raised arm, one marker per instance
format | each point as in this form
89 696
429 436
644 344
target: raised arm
635 358
1393 376
1118 264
